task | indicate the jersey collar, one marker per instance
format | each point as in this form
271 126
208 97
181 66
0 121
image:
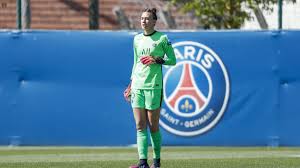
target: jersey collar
150 34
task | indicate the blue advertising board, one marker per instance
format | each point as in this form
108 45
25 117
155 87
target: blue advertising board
228 88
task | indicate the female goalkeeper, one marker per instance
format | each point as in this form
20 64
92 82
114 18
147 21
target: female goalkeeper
152 49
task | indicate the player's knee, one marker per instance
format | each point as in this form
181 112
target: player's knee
140 125
154 128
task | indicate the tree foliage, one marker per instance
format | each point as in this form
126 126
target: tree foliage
223 14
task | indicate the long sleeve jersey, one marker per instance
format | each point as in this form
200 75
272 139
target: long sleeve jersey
156 45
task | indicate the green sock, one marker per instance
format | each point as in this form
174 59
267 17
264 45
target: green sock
156 144
142 143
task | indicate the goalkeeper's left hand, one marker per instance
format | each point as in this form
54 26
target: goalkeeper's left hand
147 60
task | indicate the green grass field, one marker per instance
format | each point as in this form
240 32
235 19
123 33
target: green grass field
172 157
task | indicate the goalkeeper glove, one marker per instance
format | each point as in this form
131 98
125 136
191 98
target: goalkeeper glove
147 60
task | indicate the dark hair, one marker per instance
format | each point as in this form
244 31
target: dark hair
152 11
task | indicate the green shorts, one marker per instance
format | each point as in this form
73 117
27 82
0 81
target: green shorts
149 99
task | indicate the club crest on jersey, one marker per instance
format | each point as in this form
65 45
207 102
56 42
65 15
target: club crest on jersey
196 90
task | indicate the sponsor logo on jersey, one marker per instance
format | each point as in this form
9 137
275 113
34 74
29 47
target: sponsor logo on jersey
196 90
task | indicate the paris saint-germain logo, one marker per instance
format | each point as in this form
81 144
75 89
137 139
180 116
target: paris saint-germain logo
196 90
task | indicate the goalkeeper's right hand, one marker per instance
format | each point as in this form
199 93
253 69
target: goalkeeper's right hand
127 93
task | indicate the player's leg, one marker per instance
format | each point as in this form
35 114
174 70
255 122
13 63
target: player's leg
153 113
153 119
140 116
142 134
155 136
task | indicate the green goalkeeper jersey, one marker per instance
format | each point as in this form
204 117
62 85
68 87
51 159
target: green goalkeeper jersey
156 45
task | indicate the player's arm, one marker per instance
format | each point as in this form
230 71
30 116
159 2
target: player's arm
127 91
134 59
169 58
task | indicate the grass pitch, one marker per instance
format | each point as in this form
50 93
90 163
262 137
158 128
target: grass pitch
172 157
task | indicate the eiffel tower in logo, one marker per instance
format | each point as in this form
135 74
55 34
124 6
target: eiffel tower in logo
187 87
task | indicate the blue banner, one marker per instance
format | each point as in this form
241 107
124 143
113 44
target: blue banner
228 88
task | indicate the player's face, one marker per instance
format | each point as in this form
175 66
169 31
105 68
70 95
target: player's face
147 21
